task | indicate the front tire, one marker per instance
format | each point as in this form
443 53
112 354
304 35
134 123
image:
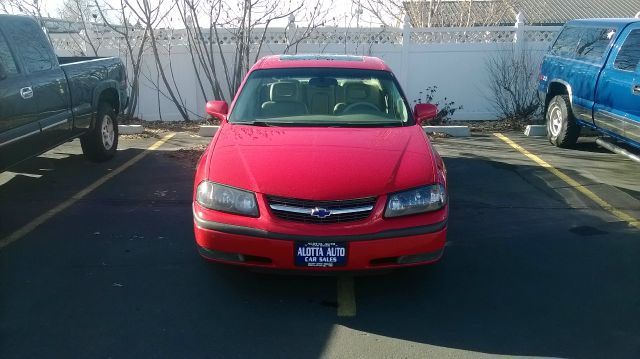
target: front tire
101 142
562 128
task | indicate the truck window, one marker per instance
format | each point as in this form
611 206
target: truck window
7 58
629 54
594 43
32 44
567 42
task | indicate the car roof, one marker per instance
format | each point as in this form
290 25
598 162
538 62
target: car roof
321 60
615 22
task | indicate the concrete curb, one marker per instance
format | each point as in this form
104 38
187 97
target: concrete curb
453 131
207 130
130 129
536 130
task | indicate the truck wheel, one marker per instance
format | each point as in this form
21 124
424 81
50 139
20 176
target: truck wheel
562 128
101 142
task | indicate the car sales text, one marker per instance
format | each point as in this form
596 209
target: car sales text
318 254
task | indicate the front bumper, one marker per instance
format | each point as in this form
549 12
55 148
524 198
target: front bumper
257 248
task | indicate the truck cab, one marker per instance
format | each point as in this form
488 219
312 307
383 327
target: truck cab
591 78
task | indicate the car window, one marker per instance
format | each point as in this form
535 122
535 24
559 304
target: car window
6 57
32 44
567 42
321 97
629 54
594 43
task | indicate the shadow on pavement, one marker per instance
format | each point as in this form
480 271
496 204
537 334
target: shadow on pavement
31 187
524 274
118 275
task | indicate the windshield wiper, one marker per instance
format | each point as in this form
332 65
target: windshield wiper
365 124
255 123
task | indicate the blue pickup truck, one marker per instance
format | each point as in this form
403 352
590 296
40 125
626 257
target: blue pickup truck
591 78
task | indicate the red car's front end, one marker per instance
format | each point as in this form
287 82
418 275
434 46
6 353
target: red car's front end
301 187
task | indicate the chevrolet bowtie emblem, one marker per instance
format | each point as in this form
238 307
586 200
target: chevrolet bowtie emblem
320 212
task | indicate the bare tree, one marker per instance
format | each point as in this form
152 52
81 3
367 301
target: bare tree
84 15
513 84
245 20
151 16
210 25
439 13
314 18
5 6
200 42
135 39
387 12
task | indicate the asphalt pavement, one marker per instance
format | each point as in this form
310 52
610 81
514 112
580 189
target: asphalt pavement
532 267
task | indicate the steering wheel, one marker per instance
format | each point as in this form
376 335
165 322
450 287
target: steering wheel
364 104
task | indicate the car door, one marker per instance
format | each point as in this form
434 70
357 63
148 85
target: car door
617 107
594 44
19 127
48 81
563 65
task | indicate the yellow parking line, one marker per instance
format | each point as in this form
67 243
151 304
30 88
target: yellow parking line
346 296
26 229
573 183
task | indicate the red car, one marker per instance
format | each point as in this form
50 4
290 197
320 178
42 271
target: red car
319 164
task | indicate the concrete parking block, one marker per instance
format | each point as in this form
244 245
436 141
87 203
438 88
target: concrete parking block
536 130
453 131
130 129
207 130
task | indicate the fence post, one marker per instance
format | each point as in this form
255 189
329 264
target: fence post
520 37
291 31
406 43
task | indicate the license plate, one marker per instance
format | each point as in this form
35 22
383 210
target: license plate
320 254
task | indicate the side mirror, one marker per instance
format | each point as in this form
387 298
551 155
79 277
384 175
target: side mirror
423 112
217 109
3 72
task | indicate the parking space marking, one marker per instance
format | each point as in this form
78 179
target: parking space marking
26 229
346 296
571 182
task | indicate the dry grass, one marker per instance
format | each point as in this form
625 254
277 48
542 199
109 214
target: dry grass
188 156
157 129
496 125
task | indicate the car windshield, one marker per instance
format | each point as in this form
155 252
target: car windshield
326 97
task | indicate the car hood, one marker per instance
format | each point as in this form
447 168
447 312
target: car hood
321 163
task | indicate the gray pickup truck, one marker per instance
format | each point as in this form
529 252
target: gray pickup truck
47 100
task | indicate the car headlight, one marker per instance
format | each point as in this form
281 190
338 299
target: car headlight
418 200
227 199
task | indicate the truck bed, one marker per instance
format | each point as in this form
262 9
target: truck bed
64 60
103 71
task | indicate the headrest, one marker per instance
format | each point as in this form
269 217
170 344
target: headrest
357 91
284 91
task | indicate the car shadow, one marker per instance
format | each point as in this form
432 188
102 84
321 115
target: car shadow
524 273
589 145
529 269
33 186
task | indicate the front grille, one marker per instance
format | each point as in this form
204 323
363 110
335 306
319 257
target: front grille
362 209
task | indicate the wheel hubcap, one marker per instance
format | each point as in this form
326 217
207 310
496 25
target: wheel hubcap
555 120
107 131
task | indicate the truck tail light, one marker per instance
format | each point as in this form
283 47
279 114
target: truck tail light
541 77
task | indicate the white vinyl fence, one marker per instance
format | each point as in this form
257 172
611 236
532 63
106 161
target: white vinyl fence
454 59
